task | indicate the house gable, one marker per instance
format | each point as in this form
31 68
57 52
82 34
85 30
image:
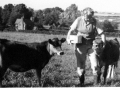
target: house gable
19 24
23 24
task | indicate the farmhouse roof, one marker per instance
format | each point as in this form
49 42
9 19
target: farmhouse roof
18 21
27 21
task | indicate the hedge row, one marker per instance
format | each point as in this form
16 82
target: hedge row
63 32
112 34
54 32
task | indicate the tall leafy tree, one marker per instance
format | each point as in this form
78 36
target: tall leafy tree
47 11
0 15
71 12
28 13
6 13
69 15
51 15
107 26
31 10
59 9
19 11
38 18
47 16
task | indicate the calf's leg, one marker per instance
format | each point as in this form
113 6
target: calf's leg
105 73
95 66
39 75
2 72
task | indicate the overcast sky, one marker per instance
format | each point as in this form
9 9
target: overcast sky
97 5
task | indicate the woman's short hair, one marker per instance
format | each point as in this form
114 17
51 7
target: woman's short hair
85 11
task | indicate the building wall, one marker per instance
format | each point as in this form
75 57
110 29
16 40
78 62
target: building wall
20 26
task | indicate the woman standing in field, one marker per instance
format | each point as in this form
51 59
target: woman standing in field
87 31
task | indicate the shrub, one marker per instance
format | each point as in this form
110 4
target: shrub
107 26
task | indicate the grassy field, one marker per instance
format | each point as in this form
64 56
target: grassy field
59 72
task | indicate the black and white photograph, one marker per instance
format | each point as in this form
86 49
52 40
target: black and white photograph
59 43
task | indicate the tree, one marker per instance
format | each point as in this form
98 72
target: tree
1 26
51 15
115 25
31 10
38 18
28 13
0 15
107 26
69 15
6 13
47 11
71 12
48 19
19 11
58 9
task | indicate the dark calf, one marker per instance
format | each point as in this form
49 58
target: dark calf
107 56
21 57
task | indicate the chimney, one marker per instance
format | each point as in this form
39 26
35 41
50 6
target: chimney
31 18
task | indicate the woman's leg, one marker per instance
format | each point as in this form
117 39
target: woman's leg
80 52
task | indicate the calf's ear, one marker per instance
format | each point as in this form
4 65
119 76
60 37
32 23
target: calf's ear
50 41
63 40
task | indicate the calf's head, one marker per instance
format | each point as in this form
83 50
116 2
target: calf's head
98 46
55 46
